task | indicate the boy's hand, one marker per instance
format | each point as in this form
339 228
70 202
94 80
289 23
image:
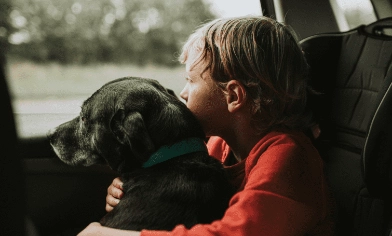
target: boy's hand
115 193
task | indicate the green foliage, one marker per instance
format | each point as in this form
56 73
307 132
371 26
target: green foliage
5 25
87 31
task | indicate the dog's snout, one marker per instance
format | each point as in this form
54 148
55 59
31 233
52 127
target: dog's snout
50 132
53 136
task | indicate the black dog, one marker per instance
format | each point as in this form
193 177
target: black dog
151 138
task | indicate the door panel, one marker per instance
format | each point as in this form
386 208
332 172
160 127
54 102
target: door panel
60 197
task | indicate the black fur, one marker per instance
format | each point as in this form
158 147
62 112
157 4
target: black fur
122 124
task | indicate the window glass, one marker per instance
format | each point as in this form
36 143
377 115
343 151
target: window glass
352 13
60 52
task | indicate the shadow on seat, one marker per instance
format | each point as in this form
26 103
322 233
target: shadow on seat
353 73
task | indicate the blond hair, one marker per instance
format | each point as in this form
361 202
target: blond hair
265 56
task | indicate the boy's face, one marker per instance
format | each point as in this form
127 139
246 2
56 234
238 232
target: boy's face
203 97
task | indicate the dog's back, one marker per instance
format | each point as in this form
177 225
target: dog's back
187 190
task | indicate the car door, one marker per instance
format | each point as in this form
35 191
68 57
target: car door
60 52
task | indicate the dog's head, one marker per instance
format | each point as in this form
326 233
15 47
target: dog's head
122 124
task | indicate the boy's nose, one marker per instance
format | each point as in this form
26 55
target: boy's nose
184 93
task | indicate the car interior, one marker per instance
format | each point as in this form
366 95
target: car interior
351 74
354 113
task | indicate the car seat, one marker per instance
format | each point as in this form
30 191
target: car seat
351 73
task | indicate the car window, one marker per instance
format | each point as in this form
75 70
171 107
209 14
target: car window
60 52
353 13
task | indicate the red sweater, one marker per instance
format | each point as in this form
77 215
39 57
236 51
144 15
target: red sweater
281 191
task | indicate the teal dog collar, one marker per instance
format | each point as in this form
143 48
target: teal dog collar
183 147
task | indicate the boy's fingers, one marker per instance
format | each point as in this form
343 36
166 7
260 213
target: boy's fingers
111 202
114 195
108 208
115 192
117 183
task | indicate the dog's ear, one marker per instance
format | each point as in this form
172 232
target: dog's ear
130 130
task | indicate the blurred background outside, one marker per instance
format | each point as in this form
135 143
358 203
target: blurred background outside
59 52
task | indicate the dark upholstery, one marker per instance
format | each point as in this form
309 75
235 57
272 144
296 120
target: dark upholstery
11 175
352 71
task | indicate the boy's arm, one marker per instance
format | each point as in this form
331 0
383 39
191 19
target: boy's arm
95 229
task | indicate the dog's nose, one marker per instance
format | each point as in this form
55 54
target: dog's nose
50 133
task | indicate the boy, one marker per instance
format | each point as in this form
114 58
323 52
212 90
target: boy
247 85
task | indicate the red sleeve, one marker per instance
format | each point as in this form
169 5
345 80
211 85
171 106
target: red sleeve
217 148
284 194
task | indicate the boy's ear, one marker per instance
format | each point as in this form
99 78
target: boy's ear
235 95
